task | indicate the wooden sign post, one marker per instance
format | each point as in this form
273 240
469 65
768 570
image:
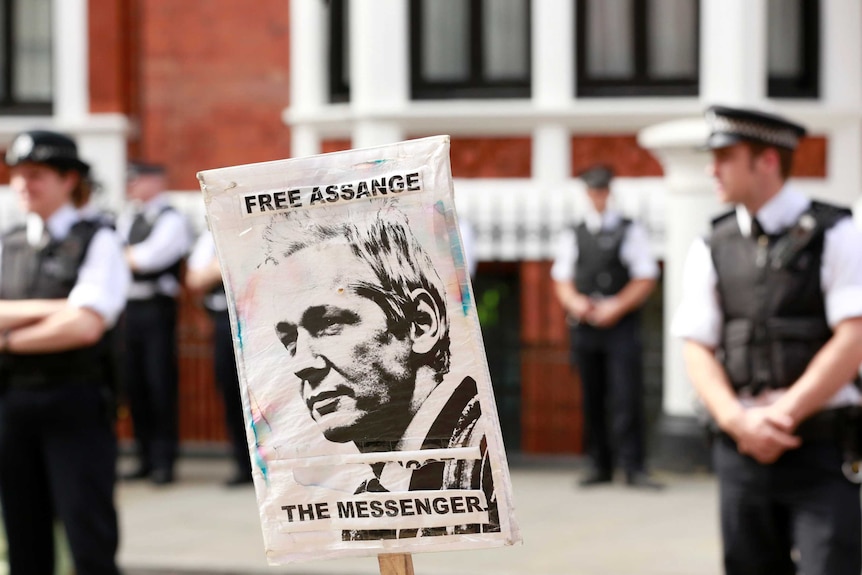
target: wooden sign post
396 564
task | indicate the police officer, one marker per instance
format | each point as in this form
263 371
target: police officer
204 279
158 238
63 282
771 319
603 272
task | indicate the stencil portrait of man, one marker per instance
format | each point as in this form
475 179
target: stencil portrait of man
366 337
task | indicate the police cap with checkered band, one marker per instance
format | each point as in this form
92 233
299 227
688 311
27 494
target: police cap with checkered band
45 147
729 126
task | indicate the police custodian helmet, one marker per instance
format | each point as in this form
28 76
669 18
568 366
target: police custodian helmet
597 177
44 147
728 126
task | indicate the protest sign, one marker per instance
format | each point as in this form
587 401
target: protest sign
369 409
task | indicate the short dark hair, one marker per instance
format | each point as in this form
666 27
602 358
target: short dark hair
785 156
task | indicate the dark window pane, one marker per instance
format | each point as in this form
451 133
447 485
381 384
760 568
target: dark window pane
505 49
4 52
26 79
793 48
610 44
339 51
470 48
445 40
345 48
32 47
672 39
784 38
637 47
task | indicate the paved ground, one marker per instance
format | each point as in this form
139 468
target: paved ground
197 526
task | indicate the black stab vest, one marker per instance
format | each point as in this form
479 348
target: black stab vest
599 271
141 229
770 291
49 272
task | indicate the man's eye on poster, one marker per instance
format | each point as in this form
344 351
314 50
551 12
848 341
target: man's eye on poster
369 410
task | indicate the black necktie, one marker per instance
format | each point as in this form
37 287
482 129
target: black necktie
756 228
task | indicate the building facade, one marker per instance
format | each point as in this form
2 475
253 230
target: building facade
531 92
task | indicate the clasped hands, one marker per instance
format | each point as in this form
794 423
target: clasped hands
763 432
596 312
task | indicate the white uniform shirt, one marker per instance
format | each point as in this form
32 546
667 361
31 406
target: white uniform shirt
635 252
700 318
169 241
468 240
202 254
104 278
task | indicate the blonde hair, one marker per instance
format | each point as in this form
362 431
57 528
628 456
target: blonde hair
83 191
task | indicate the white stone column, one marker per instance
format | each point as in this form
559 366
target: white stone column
553 86
379 68
102 143
733 52
309 82
309 38
553 55
552 158
101 138
71 69
841 42
841 89
304 141
690 203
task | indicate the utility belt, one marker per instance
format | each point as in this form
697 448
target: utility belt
143 290
11 378
41 382
841 426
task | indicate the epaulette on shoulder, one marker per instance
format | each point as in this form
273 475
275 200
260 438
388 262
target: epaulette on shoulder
722 225
17 229
721 218
86 228
827 215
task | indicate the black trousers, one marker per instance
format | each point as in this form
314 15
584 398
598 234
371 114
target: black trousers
610 365
151 379
57 459
800 503
227 379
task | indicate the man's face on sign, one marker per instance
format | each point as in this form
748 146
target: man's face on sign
354 375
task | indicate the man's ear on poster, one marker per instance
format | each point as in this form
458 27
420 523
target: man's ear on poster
426 325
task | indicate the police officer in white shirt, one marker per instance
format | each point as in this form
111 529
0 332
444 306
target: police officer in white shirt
771 319
158 238
603 272
204 279
63 283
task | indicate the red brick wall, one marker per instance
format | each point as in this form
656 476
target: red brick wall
622 153
109 57
628 159
810 158
491 157
327 146
212 84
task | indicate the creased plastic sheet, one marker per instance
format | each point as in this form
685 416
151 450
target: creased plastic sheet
369 410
